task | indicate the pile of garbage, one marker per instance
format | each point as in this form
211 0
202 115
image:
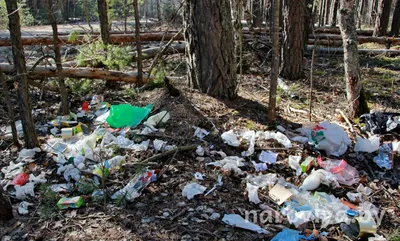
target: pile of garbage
82 146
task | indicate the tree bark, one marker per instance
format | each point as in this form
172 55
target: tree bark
333 13
158 10
394 30
293 40
5 207
210 49
360 13
275 60
257 13
57 53
347 26
10 110
138 43
30 137
382 19
308 20
40 72
103 17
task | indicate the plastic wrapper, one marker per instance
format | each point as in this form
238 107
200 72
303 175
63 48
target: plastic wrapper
161 117
159 144
278 136
256 182
193 189
230 138
20 179
26 155
250 138
236 220
294 163
260 167
344 173
134 187
229 163
289 235
268 157
21 192
199 132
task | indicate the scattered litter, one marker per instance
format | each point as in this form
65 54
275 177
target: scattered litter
193 189
344 173
278 136
268 157
250 138
384 159
74 202
61 188
219 183
237 221
126 115
366 191
289 235
260 167
21 192
26 155
307 164
281 128
20 179
134 187
199 176
316 178
381 122
279 194
161 117
229 163
23 207
294 163
200 151
364 145
159 145
199 132
230 138
301 139
215 216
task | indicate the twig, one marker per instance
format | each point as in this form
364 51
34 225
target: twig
167 153
274 148
183 211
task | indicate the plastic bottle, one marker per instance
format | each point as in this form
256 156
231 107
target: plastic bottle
312 182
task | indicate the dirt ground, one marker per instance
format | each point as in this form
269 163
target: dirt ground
161 212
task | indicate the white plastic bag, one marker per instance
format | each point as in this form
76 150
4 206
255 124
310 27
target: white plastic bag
230 138
161 117
192 189
364 145
330 138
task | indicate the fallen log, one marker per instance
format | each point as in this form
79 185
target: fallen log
360 39
90 73
335 30
152 52
80 39
370 52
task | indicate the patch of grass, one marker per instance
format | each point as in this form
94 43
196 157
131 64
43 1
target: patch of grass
385 71
251 125
48 205
158 79
395 236
130 92
82 86
371 46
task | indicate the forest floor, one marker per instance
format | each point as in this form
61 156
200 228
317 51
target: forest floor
161 212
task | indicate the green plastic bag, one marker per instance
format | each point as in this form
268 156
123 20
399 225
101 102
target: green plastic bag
126 115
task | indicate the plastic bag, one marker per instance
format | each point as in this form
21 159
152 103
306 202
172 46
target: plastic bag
250 137
330 138
364 145
135 185
344 173
161 117
22 192
255 182
278 136
384 159
288 235
237 221
193 189
294 163
229 163
127 115
230 138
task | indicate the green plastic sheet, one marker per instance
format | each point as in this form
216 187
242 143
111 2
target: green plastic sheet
126 115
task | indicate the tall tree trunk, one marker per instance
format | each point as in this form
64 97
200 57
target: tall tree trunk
57 53
125 15
158 10
209 47
308 20
320 12
275 60
103 17
360 13
257 13
5 206
327 11
394 30
293 40
372 11
267 10
10 110
138 42
30 137
347 24
333 13
382 19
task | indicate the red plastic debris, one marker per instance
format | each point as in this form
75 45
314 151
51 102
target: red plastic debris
20 179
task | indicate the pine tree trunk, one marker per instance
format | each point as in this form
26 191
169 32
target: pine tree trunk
373 12
5 206
57 53
103 17
360 13
382 19
394 30
308 20
210 49
30 137
158 10
275 60
333 13
347 26
138 43
320 12
293 40
257 13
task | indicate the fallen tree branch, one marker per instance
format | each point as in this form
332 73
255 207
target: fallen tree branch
90 73
371 52
168 153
